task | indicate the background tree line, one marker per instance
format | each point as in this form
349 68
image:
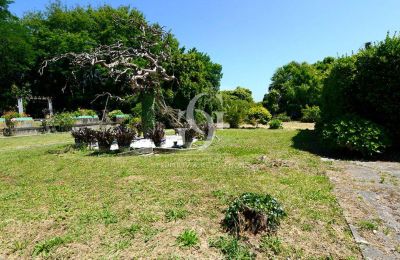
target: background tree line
355 99
38 36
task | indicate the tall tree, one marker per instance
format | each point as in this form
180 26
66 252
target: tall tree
138 67
296 85
16 55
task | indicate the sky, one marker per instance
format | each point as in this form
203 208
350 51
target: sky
252 38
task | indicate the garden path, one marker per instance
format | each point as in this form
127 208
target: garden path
369 194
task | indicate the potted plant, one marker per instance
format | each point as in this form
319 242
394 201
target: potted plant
158 134
105 138
190 134
124 136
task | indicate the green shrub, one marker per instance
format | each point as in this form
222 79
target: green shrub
311 114
84 112
367 85
255 213
283 117
113 114
232 248
235 112
258 115
356 135
175 214
46 246
188 238
275 124
271 244
63 122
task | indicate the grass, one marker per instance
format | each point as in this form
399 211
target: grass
136 207
188 238
232 248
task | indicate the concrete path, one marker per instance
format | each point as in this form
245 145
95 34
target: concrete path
369 193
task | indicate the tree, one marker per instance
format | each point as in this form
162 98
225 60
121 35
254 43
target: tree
241 93
236 103
139 68
195 73
366 85
259 115
296 85
16 56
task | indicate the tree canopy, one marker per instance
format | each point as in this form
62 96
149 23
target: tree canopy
296 85
59 30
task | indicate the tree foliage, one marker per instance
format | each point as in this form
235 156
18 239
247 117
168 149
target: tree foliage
296 85
59 30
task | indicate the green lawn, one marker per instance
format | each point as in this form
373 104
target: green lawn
58 202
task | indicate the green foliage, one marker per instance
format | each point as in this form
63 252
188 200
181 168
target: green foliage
366 84
188 238
311 114
275 124
356 135
255 213
16 56
84 112
131 231
195 73
283 117
258 115
148 112
296 85
46 246
232 248
368 225
240 93
235 109
271 244
63 122
157 135
113 114
175 214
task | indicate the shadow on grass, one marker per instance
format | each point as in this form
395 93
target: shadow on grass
308 140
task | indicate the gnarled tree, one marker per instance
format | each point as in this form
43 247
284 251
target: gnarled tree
140 67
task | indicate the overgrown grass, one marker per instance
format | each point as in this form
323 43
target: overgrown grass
124 207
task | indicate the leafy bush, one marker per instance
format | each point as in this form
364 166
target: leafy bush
232 248
355 134
135 123
158 134
84 112
9 116
259 115
255 213
366 84
84 136
311 114
235 112
275 124
63 122
271 244
124 136
105 138
113 114
283 117
188 238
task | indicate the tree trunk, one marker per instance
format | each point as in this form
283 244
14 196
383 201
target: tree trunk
148 111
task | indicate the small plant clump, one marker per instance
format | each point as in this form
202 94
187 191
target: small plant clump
188 238
232 248
124 136
254 213
275 124
158 134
